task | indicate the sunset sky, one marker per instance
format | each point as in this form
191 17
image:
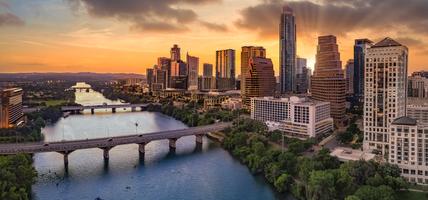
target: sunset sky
129 35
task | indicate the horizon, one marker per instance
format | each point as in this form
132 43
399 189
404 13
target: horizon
128 37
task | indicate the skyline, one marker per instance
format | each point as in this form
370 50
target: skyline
111 36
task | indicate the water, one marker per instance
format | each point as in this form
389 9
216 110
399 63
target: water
190 173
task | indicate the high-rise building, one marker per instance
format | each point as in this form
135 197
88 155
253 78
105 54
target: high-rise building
287 50
248 52
260 79
160 79
328 83
225 69
349 76
384 92
302 81
178 68
150 77
418 84
297 117
360 48
193 72
175 53
165 64
11 113
208 70
206 83
417 108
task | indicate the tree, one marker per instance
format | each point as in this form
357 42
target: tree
352 197
321 186
282 183
375 193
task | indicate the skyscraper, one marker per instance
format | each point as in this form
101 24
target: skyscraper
175 53
208 70
247 53
150 75
384 91
165 64
225 69
302 82
287 50
349 76
360 48
178 68
192 71
418 84
260 79
328 83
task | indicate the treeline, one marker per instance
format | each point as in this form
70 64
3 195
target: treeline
16 177
35 93
318 177
113 93
189 114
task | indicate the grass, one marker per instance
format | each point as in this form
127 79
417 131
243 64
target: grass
411 195
52 102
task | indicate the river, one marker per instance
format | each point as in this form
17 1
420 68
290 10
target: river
188 174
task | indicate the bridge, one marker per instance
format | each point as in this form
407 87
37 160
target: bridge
113 107
67 147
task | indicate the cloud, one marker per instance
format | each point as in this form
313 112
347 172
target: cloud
9 19
338 17
214 26
147 15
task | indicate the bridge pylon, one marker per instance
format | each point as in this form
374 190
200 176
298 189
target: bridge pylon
172 143
106 151
65 154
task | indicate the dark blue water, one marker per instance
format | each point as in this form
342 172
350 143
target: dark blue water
190 173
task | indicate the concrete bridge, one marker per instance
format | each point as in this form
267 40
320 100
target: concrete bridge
78 109
67 147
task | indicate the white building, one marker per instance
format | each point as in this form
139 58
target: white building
417 108
409 149
384 92
297 117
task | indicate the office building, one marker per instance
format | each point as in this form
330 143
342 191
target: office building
349 77
208 70
160 78
360 49
206 83
384 92
248 52
175 53
297 117
150 77
260 79
287 51
328 83
302 81
165 64
225 69
11 114
179 82
193 71
178 68
418 85
417 108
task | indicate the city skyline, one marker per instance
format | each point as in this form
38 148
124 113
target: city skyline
62 36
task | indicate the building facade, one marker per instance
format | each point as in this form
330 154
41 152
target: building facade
225 69
384 92
165 64
260 79
296 117
287 50
150 77
11 114
208 70
409 149
248 52
193 72
175 53
360 48
302 81
349 76
418 84
328 83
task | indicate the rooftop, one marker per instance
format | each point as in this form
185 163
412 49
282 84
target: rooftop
347 154
405 121
387 42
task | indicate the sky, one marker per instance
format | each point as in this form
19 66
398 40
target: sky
128 36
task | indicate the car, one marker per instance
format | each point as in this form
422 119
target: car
140 136
46 144
110 139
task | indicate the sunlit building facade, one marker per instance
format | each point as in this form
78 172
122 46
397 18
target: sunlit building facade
225 69
11 113
260 79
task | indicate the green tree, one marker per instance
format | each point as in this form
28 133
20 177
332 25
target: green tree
321 186
282 183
